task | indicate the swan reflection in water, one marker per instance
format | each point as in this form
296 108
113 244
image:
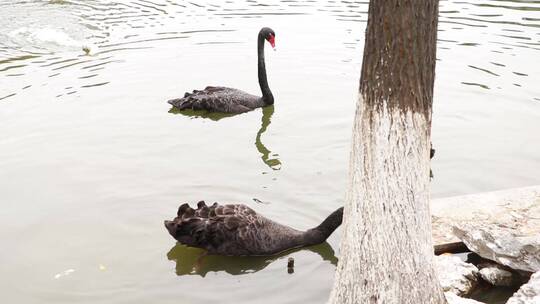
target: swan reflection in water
191 261
266 154
269 158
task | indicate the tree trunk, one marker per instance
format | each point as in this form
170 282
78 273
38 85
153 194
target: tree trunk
387 247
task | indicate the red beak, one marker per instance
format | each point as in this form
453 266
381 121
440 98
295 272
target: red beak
272 41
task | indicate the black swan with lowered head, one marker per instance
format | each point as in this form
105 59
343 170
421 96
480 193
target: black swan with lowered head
229 100
238 230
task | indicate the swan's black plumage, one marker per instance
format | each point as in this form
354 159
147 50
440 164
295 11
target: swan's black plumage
229 100
236 229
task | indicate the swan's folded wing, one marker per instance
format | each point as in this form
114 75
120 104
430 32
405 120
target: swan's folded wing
232 228
223 229
217 99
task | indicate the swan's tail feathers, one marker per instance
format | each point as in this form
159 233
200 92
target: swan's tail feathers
190 231
191 226
193 101
202 211
181 103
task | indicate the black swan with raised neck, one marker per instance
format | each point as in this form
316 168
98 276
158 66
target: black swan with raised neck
229 100
237 230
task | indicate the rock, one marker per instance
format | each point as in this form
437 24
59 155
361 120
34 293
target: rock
455 275
501 245
528 293
454 299
498 275
518 209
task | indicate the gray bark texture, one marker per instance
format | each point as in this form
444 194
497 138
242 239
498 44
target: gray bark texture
387 246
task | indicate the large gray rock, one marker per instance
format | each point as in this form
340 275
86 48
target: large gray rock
528 293
455 299
455 275
498 275
501 245
518 209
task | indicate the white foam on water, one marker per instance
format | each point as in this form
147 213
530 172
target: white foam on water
48 38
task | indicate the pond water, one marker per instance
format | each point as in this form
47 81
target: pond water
93 159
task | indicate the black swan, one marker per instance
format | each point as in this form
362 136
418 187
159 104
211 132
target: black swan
237 230
229 100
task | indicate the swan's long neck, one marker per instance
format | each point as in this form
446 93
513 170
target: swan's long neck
320 233
268 98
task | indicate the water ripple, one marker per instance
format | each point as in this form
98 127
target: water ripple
115 27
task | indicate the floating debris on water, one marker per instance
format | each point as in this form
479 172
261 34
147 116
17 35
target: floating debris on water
290 265
89 49
258 201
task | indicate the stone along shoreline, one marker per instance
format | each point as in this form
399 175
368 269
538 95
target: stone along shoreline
502 229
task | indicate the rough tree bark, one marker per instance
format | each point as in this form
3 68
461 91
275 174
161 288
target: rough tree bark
387 247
